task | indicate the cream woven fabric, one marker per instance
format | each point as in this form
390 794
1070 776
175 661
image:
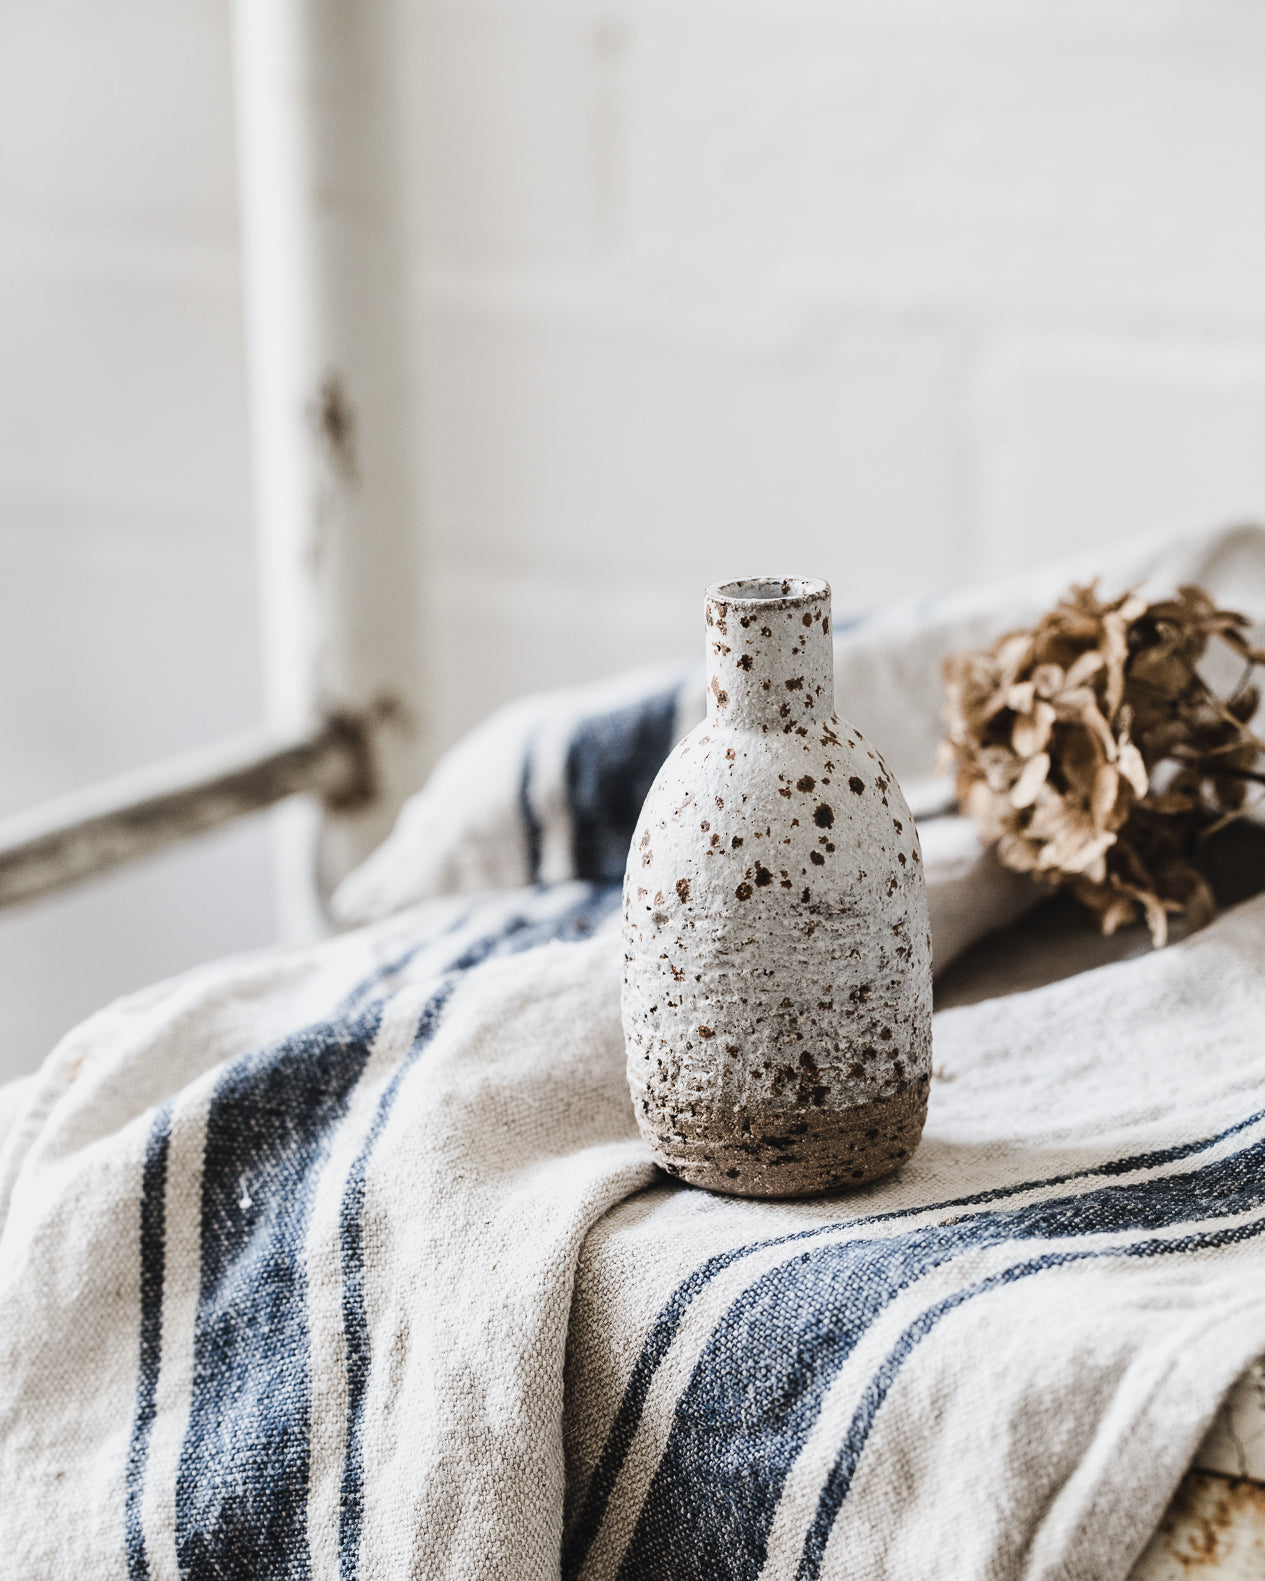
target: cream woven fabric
349 1262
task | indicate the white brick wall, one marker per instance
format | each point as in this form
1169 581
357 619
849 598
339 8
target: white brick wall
893 291
127 604
1085 436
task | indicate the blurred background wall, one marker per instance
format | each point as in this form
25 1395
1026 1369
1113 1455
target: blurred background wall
127 602
896 293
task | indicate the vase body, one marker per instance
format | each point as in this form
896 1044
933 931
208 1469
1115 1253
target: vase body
777 955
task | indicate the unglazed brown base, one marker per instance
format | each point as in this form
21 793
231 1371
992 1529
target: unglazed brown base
789 1152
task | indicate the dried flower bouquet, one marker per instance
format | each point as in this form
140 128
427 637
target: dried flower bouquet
1094 754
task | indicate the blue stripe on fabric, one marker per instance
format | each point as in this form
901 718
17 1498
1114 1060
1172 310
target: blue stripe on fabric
242 1482
663 1331
611 763
152 1264
757 1388
153 1230
519 934
152 1259
533 837
377 982
351 1248
839 1481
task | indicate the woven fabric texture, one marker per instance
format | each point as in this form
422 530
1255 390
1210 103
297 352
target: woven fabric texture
348 1261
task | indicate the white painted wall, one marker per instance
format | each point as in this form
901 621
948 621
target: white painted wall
127 601
896 292
893 291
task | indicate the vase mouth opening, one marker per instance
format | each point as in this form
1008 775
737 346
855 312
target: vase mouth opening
769 590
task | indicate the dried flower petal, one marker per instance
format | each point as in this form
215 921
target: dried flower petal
1119 910
1032 730
1048 679
1089 663
1017 853
1103 801
1030 781
1133 768
1156 918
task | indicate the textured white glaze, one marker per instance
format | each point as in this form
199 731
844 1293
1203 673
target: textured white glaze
777 978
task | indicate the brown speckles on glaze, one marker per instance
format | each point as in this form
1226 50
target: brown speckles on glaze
856 784
778 1026
683 890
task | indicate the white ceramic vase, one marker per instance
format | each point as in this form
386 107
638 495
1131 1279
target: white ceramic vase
777 977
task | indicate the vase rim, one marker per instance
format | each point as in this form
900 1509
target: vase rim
767 590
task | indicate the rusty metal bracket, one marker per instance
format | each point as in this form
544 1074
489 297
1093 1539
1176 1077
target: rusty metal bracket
88 833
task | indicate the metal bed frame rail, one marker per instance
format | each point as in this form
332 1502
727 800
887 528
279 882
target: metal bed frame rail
86 834
326 298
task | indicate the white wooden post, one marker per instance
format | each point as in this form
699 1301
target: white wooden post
332 416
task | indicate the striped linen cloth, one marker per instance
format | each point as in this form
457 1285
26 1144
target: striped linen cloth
348 1261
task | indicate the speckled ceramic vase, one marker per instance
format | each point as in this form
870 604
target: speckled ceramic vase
777 976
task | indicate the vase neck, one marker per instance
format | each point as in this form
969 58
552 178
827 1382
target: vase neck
770 660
